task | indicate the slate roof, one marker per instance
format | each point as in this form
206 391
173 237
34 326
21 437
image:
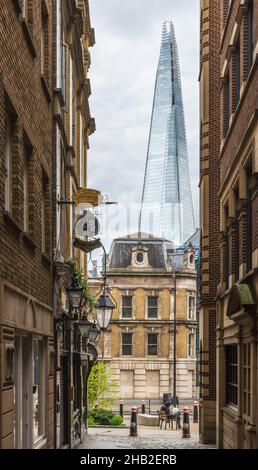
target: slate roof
121 251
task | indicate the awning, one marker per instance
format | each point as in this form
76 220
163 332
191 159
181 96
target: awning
240 298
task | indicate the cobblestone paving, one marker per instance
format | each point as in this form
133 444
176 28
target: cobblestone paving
148 438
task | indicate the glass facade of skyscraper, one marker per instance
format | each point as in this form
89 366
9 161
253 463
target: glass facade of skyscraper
167 208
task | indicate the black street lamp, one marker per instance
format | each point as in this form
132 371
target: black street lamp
104 310
89 330
95 333
84 327
174 336
105 306
75 295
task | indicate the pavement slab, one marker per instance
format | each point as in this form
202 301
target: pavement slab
148 438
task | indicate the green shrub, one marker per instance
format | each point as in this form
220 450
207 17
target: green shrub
91 421
104 417
101 416
116 420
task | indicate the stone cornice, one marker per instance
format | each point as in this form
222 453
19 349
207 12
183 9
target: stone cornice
151 273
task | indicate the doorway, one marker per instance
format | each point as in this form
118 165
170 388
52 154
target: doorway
29 391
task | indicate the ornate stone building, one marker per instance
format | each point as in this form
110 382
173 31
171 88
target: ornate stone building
237 294
143 273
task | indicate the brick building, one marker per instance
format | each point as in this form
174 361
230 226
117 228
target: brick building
45 124
140 272
237 294
26 293
73 124
209 207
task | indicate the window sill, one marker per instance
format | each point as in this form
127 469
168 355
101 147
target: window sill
28 241
17 5
46 88
230 411
10 221
28 38
40 443
46 260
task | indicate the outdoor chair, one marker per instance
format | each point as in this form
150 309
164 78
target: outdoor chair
163 417
176 417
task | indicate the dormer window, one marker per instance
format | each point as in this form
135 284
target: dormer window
139 257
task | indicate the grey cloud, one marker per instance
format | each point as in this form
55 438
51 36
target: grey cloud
122 74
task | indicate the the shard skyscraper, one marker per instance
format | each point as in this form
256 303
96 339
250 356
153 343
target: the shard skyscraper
167 208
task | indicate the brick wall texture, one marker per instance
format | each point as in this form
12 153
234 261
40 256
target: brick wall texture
22 93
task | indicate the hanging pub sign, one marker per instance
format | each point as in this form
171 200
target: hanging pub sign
88 197
87 226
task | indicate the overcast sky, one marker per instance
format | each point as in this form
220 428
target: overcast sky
123 69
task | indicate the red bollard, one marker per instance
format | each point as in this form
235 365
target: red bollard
143 407
121 408
195 412
186 423
133 425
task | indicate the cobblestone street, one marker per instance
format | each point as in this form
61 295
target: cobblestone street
148 438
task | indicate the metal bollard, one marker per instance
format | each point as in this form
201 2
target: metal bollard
143 407
186 423
121 408
133 425
195 412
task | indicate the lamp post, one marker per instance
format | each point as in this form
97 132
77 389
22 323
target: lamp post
174 337
105 305
104 310
75 297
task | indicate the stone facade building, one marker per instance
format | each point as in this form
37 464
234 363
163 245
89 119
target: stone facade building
237 293
26 291
140 273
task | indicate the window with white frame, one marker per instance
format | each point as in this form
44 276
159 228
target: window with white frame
8 162
81 152
64 70
24 6
127 344
152 307
231 369
43 225
38 390
127 306
247 379
26 189
44 40
191 343
191 306
44 212
152 344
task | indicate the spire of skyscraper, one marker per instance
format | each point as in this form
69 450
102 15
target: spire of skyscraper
167 208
